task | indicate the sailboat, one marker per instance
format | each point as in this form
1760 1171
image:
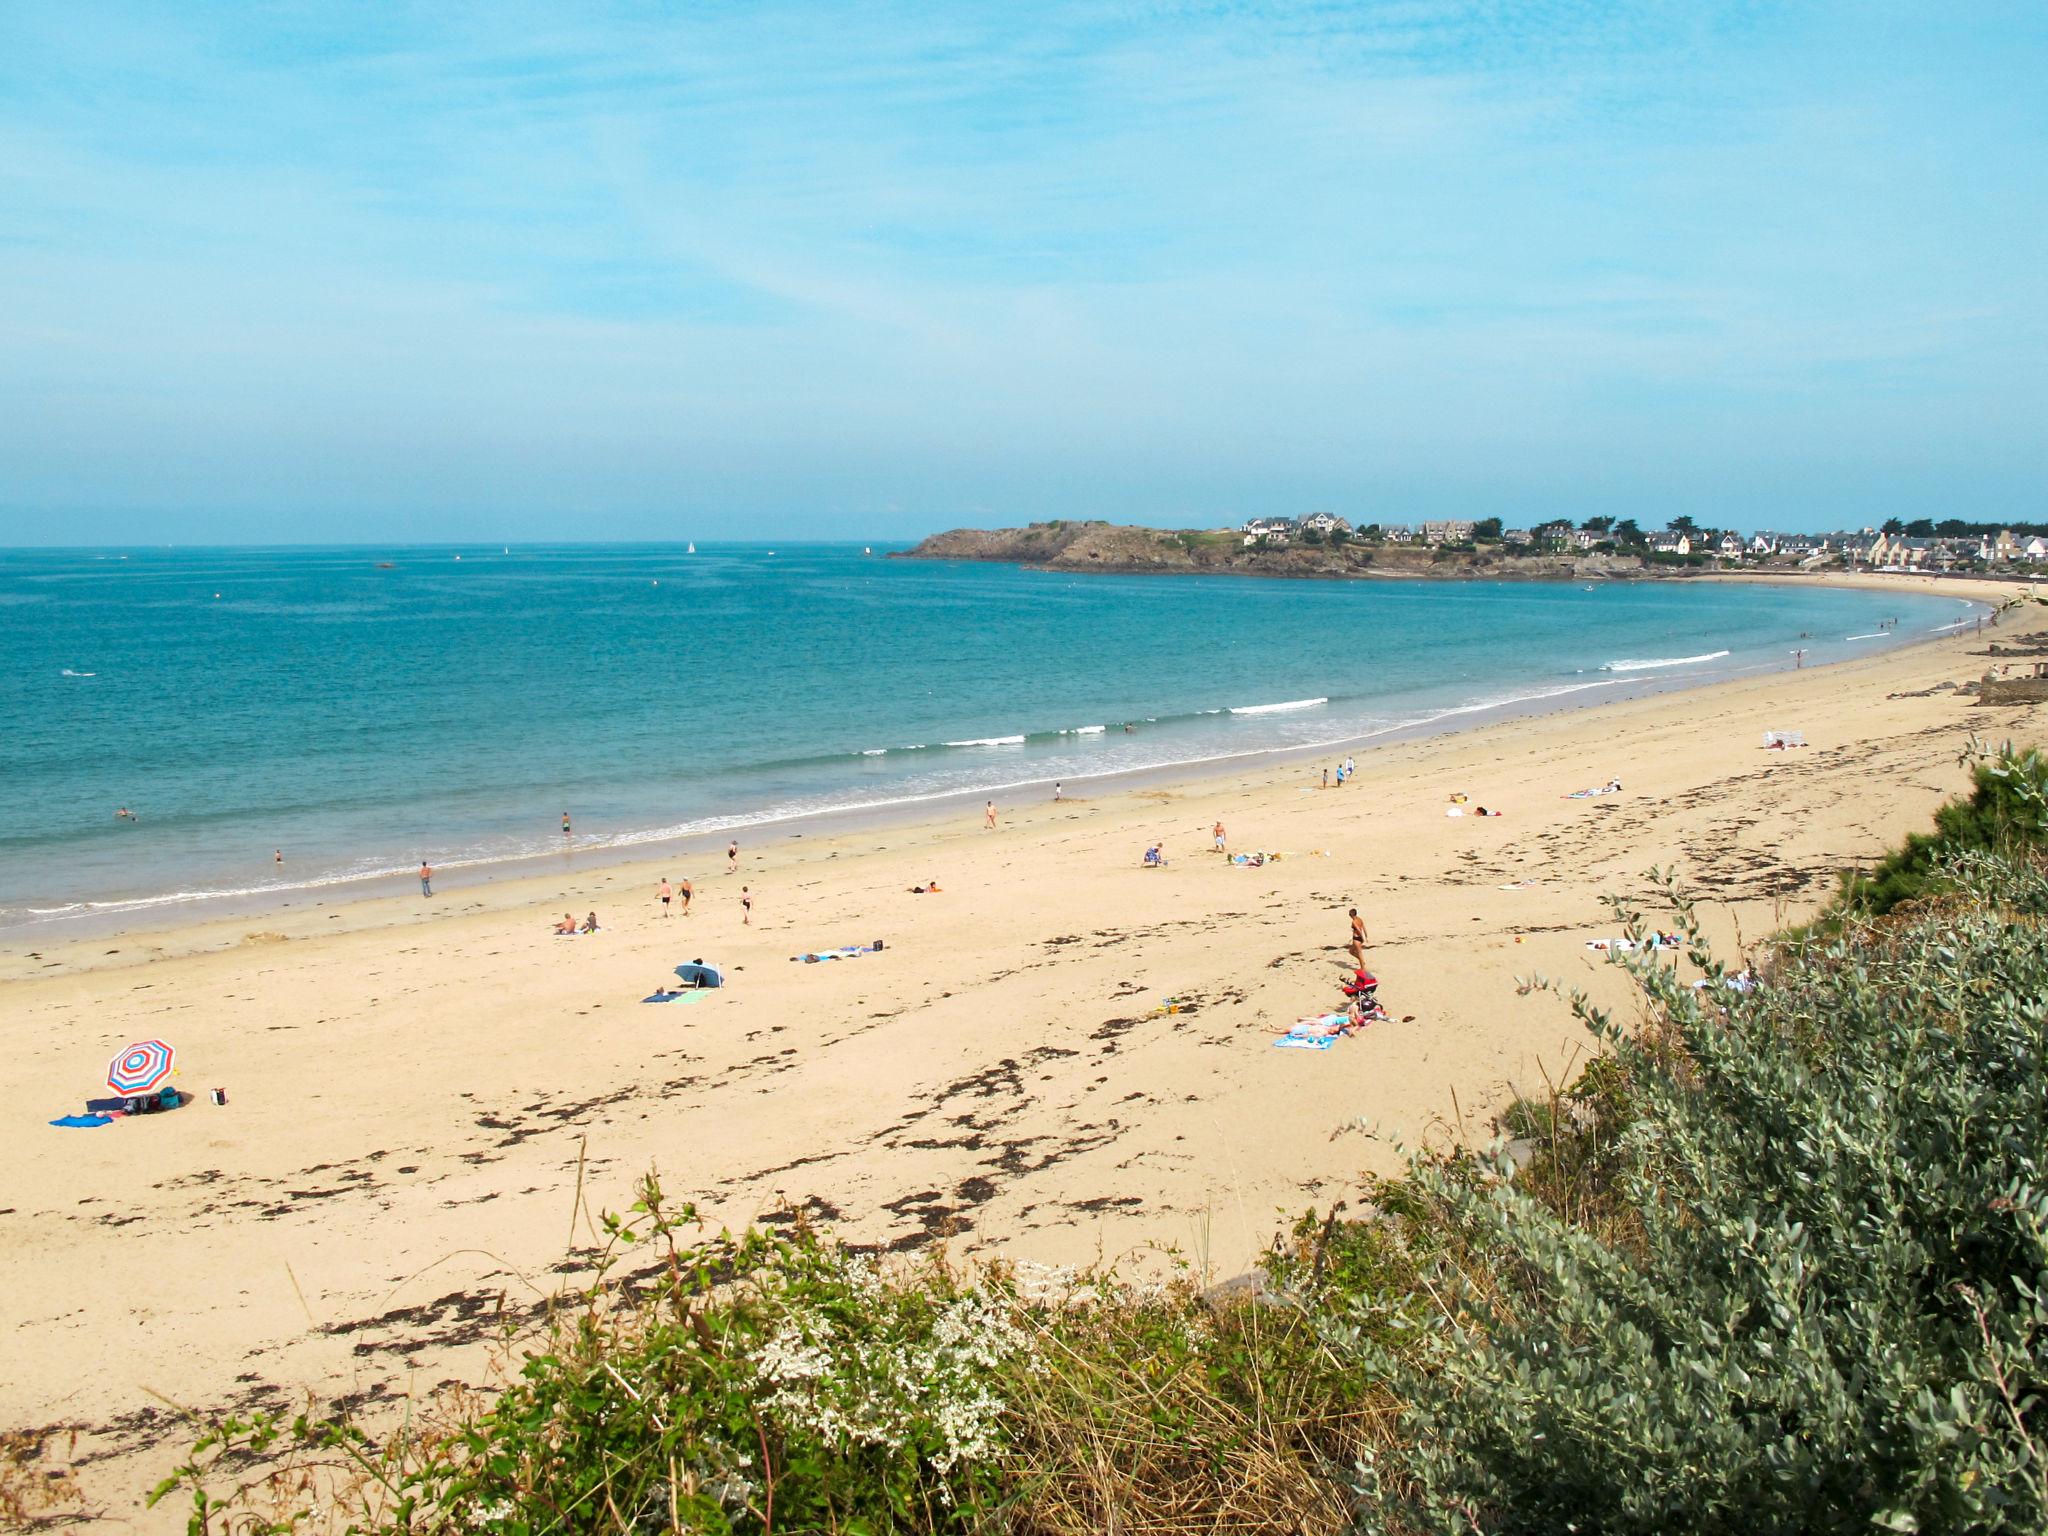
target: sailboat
693 549
867 549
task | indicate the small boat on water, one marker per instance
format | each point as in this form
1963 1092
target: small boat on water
386 565
866 549
692 549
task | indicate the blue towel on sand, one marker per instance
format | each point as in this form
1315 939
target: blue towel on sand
1305 1042
74 1121
691 996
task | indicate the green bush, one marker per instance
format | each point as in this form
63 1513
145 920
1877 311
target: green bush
1819 1298
2002 813
739 1384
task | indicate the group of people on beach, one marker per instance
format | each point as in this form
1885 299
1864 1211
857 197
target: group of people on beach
1345 770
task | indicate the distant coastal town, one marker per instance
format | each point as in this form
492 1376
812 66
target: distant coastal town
1952 544
1325 545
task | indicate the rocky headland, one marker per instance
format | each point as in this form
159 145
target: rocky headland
1100 546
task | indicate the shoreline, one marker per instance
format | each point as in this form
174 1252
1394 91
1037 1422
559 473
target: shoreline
426 1108
132 918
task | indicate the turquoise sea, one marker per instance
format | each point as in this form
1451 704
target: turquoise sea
359 718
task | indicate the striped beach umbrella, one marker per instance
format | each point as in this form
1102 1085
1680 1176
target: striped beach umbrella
140 1067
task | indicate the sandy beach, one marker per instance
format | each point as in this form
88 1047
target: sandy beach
418 1086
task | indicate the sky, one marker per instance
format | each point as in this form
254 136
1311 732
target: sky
315 273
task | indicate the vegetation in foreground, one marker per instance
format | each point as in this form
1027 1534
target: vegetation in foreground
1777 1261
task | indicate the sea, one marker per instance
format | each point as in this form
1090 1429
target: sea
356 711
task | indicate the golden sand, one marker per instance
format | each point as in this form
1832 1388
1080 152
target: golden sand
416 1086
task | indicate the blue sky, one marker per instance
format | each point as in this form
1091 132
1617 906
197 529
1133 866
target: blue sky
313 272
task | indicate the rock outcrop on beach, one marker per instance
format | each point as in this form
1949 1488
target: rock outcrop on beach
1098 546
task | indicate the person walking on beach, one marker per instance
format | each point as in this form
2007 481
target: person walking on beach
1357 944
426 878
732 856
667 894
1055 791
1222 843
686 890
988 817
746 907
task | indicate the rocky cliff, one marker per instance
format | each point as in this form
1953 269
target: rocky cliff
1065 546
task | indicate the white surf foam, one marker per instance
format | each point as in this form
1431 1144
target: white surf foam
1661 661
1274 709
989 741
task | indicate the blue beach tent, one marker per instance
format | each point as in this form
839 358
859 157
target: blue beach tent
697 974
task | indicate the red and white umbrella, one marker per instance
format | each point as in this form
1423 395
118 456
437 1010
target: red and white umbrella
140 1067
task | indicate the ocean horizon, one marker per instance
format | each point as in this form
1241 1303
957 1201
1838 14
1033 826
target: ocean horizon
358 709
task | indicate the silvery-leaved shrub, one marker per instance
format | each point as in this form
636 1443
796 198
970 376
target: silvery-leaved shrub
1819 1300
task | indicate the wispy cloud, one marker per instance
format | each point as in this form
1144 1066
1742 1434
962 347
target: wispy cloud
283 268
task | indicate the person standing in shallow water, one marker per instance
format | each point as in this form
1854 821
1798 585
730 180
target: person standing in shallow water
565 823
